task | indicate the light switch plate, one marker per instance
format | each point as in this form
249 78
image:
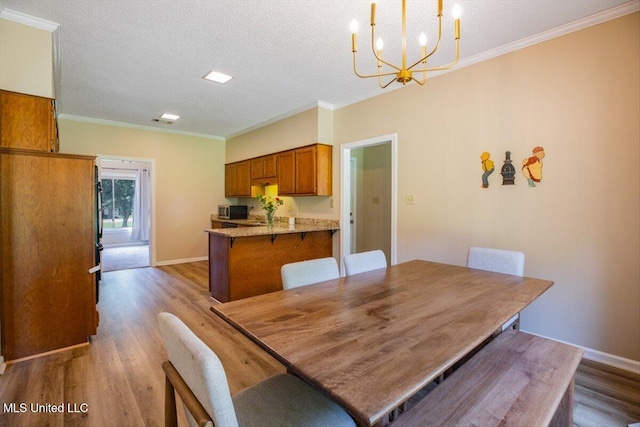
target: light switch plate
410 199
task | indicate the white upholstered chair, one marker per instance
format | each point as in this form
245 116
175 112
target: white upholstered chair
500 261
196 373
364 261
307 272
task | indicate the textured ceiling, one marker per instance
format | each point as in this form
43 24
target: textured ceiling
131 60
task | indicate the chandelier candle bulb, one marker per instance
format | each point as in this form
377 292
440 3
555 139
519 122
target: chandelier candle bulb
456 12
354 36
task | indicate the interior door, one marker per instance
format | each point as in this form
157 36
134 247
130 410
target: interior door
353 204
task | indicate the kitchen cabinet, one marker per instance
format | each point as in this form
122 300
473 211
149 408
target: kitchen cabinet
27 122
305 171
263 167
237 179
47 244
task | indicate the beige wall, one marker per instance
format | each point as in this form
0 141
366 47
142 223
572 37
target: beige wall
26 59
577 96
295 131
189 179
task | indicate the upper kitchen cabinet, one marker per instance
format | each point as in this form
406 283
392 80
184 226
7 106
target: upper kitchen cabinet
286 172
237 179
263 169
27 122
310 168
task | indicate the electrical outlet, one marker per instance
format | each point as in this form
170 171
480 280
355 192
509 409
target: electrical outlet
375 200
410 199
331 203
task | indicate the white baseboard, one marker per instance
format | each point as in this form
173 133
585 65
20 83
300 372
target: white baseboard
181 261
601 357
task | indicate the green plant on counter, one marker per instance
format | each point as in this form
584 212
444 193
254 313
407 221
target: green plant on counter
268 203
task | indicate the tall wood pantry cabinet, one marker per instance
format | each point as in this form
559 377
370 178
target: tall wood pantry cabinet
47 246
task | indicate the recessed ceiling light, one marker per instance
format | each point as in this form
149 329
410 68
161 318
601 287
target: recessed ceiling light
168 116
217 77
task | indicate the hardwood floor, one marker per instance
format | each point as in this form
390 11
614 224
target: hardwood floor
118 379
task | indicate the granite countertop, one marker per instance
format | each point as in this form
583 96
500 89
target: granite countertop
258 227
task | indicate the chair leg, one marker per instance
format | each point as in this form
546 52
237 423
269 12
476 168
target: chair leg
170 412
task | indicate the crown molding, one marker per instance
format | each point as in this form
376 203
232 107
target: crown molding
133 126
588 21
32 21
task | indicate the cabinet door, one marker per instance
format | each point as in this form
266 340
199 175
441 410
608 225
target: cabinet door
286 164
306 170
243 179
269 166
27 122
48 242
230 172
257 168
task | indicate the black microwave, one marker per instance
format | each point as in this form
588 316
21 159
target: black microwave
233 212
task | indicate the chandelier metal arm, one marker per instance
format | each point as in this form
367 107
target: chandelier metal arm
445 67
373 48
388 83
366 76
435 48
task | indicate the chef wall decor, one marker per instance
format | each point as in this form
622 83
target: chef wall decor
532 167
487 168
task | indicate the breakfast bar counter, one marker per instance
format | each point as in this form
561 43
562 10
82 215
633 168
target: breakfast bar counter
246 261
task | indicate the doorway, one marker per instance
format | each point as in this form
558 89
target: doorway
125 213
369 199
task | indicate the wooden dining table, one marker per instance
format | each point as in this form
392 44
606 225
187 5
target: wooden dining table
373 340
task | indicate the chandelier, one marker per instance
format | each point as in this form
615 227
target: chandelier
404 74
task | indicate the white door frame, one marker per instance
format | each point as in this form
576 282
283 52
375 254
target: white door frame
152 163
345 194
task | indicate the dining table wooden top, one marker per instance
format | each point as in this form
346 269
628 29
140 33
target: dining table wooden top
373 340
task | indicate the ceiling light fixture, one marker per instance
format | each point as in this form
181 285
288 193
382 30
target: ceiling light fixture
215 76
404 74
168 116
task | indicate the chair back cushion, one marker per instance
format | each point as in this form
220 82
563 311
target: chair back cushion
364 261
200 368
307 272
498 260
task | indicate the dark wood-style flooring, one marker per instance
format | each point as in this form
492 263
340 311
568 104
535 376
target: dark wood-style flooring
117 380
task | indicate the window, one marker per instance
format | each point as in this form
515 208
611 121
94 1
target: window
117 203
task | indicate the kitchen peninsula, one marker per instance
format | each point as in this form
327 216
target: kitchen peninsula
246 261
